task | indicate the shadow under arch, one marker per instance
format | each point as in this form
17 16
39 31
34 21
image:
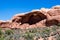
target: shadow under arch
34 17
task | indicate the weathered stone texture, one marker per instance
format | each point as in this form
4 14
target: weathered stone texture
37 18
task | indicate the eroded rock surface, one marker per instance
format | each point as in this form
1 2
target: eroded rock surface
37 18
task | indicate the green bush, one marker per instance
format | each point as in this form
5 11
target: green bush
8 32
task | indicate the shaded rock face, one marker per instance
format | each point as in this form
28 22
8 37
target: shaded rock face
30 18
36 18
51 22
33 19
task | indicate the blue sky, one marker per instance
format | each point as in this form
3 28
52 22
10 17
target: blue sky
8 8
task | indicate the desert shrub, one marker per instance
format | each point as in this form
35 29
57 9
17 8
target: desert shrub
1 38
1 33
45 32
8 32
32 30
28 36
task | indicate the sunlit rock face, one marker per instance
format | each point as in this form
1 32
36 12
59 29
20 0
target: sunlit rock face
38 18
5 24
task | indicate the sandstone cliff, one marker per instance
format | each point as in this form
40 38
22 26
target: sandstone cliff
37 18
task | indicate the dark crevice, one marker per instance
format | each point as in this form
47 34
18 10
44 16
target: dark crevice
33 20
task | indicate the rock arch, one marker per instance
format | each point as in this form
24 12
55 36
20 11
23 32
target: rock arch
33 17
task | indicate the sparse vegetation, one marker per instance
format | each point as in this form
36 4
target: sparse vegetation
30 34
8 32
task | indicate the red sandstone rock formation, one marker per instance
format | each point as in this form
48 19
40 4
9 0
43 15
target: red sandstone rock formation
37 18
